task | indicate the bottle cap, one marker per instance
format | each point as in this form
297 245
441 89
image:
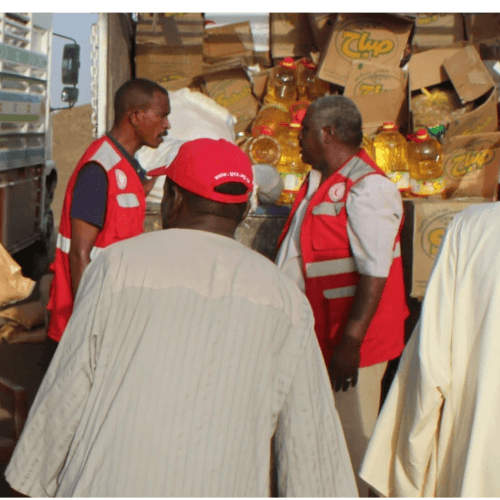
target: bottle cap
389 127
421 135
265 130
288 62
308 63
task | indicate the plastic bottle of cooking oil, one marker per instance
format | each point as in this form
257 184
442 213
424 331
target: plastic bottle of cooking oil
282 83
309 87
367 145
272 117
263 148
391 155
426 164
290 165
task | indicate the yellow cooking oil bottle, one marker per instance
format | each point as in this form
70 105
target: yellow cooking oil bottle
272 117
263 148
391 155
367 145
290 165
426 164
309 87
282 83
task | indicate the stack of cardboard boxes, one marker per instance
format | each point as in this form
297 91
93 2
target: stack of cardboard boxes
386 63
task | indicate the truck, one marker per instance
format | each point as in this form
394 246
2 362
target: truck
28 175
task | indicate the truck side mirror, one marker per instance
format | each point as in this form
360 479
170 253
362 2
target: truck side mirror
70 95
70 64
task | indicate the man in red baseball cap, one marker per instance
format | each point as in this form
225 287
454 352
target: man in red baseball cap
185 354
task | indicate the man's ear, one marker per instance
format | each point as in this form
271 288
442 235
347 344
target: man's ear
177 203
327 134
133 115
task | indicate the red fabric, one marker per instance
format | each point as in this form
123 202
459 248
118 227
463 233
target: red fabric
120 223
203 164
325 238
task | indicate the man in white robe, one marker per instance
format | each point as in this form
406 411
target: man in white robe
185 354
438 434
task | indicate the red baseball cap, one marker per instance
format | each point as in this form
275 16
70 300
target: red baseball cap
203 164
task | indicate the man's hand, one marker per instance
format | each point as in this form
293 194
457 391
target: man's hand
344 365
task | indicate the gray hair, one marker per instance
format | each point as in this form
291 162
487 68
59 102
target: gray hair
340 113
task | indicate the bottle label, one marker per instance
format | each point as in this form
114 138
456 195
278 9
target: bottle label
402 179
292 182
427 188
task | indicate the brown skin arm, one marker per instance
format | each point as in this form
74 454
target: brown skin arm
148 185
83 236
345 360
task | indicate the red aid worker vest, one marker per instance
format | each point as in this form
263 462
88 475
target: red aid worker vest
125 214
330 270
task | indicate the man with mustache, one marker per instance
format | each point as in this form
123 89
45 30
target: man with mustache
105 199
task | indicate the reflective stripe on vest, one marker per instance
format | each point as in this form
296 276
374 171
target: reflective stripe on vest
327 208
356 168
106 156
339 266
64 244
340 293
127 200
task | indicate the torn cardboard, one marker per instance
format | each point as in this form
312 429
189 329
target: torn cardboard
426 68
471 164
480 120
291 35
438 30
13 285
375 38
469 76
430 219
233 90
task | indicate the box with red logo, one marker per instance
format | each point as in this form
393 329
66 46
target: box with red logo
374 38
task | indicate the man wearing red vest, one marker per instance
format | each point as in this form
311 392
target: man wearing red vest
105 199
341 244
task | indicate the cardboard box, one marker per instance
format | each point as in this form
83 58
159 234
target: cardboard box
291 35
482 27
480 120
321 27
169 47
379 93
375 38
468 74
426 68
438 30
233 90
178 30
471 164
426 221
229 43
167 64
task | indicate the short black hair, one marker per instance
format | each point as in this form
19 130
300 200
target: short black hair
203 206
136 93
